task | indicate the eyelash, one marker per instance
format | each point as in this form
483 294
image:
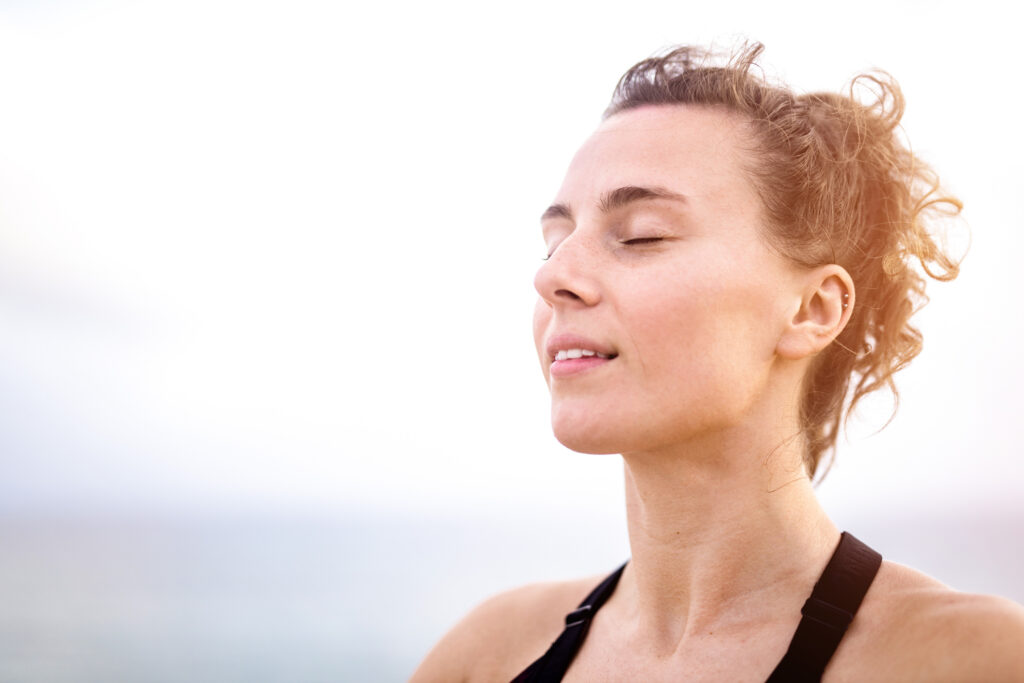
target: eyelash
641 240
629 242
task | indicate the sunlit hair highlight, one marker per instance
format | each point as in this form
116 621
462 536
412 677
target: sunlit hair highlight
838 186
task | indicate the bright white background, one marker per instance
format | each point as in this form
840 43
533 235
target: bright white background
277 258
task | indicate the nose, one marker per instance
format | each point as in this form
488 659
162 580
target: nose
570 275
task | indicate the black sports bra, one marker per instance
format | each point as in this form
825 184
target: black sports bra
826 616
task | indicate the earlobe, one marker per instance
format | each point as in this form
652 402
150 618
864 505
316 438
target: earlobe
824 309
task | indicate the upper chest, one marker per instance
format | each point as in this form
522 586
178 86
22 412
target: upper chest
740 655
869 650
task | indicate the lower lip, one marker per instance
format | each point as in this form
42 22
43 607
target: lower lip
574 366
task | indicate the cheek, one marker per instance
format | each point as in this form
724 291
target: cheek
671 324
702 347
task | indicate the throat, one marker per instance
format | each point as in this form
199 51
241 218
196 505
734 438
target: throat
703 547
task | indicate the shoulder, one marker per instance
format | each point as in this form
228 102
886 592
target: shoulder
914 628
504 634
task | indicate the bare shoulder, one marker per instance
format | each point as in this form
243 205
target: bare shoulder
912 627
504 634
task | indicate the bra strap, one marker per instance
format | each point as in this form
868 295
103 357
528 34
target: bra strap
555 662
828 612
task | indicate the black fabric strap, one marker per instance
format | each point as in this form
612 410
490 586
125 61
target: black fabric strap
555 662
826 616
828 612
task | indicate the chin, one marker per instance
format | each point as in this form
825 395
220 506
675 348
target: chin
587 435
586 444
626 432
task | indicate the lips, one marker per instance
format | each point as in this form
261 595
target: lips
578 353
571 343
570 354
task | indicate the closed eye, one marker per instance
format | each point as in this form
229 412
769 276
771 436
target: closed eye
642 240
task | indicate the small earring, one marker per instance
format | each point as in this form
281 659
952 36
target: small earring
846 298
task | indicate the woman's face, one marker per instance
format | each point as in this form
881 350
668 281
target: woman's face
657 261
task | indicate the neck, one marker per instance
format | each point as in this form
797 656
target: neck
719 529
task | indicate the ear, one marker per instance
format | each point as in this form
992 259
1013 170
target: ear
827 300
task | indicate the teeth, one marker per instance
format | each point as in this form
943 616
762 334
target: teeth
566 354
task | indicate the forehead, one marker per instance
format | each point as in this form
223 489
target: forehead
701 152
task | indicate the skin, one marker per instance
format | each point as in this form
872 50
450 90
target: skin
713 331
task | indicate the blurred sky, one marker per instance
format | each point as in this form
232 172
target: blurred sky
260 255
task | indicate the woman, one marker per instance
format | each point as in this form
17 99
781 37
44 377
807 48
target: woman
730 267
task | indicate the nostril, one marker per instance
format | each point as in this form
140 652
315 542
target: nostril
566 292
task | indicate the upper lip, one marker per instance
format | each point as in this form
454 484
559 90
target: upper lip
559 342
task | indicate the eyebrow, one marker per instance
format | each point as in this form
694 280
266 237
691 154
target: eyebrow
616 199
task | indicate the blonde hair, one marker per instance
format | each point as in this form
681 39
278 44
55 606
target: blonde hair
838 186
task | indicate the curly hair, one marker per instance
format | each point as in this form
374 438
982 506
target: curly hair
838 186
